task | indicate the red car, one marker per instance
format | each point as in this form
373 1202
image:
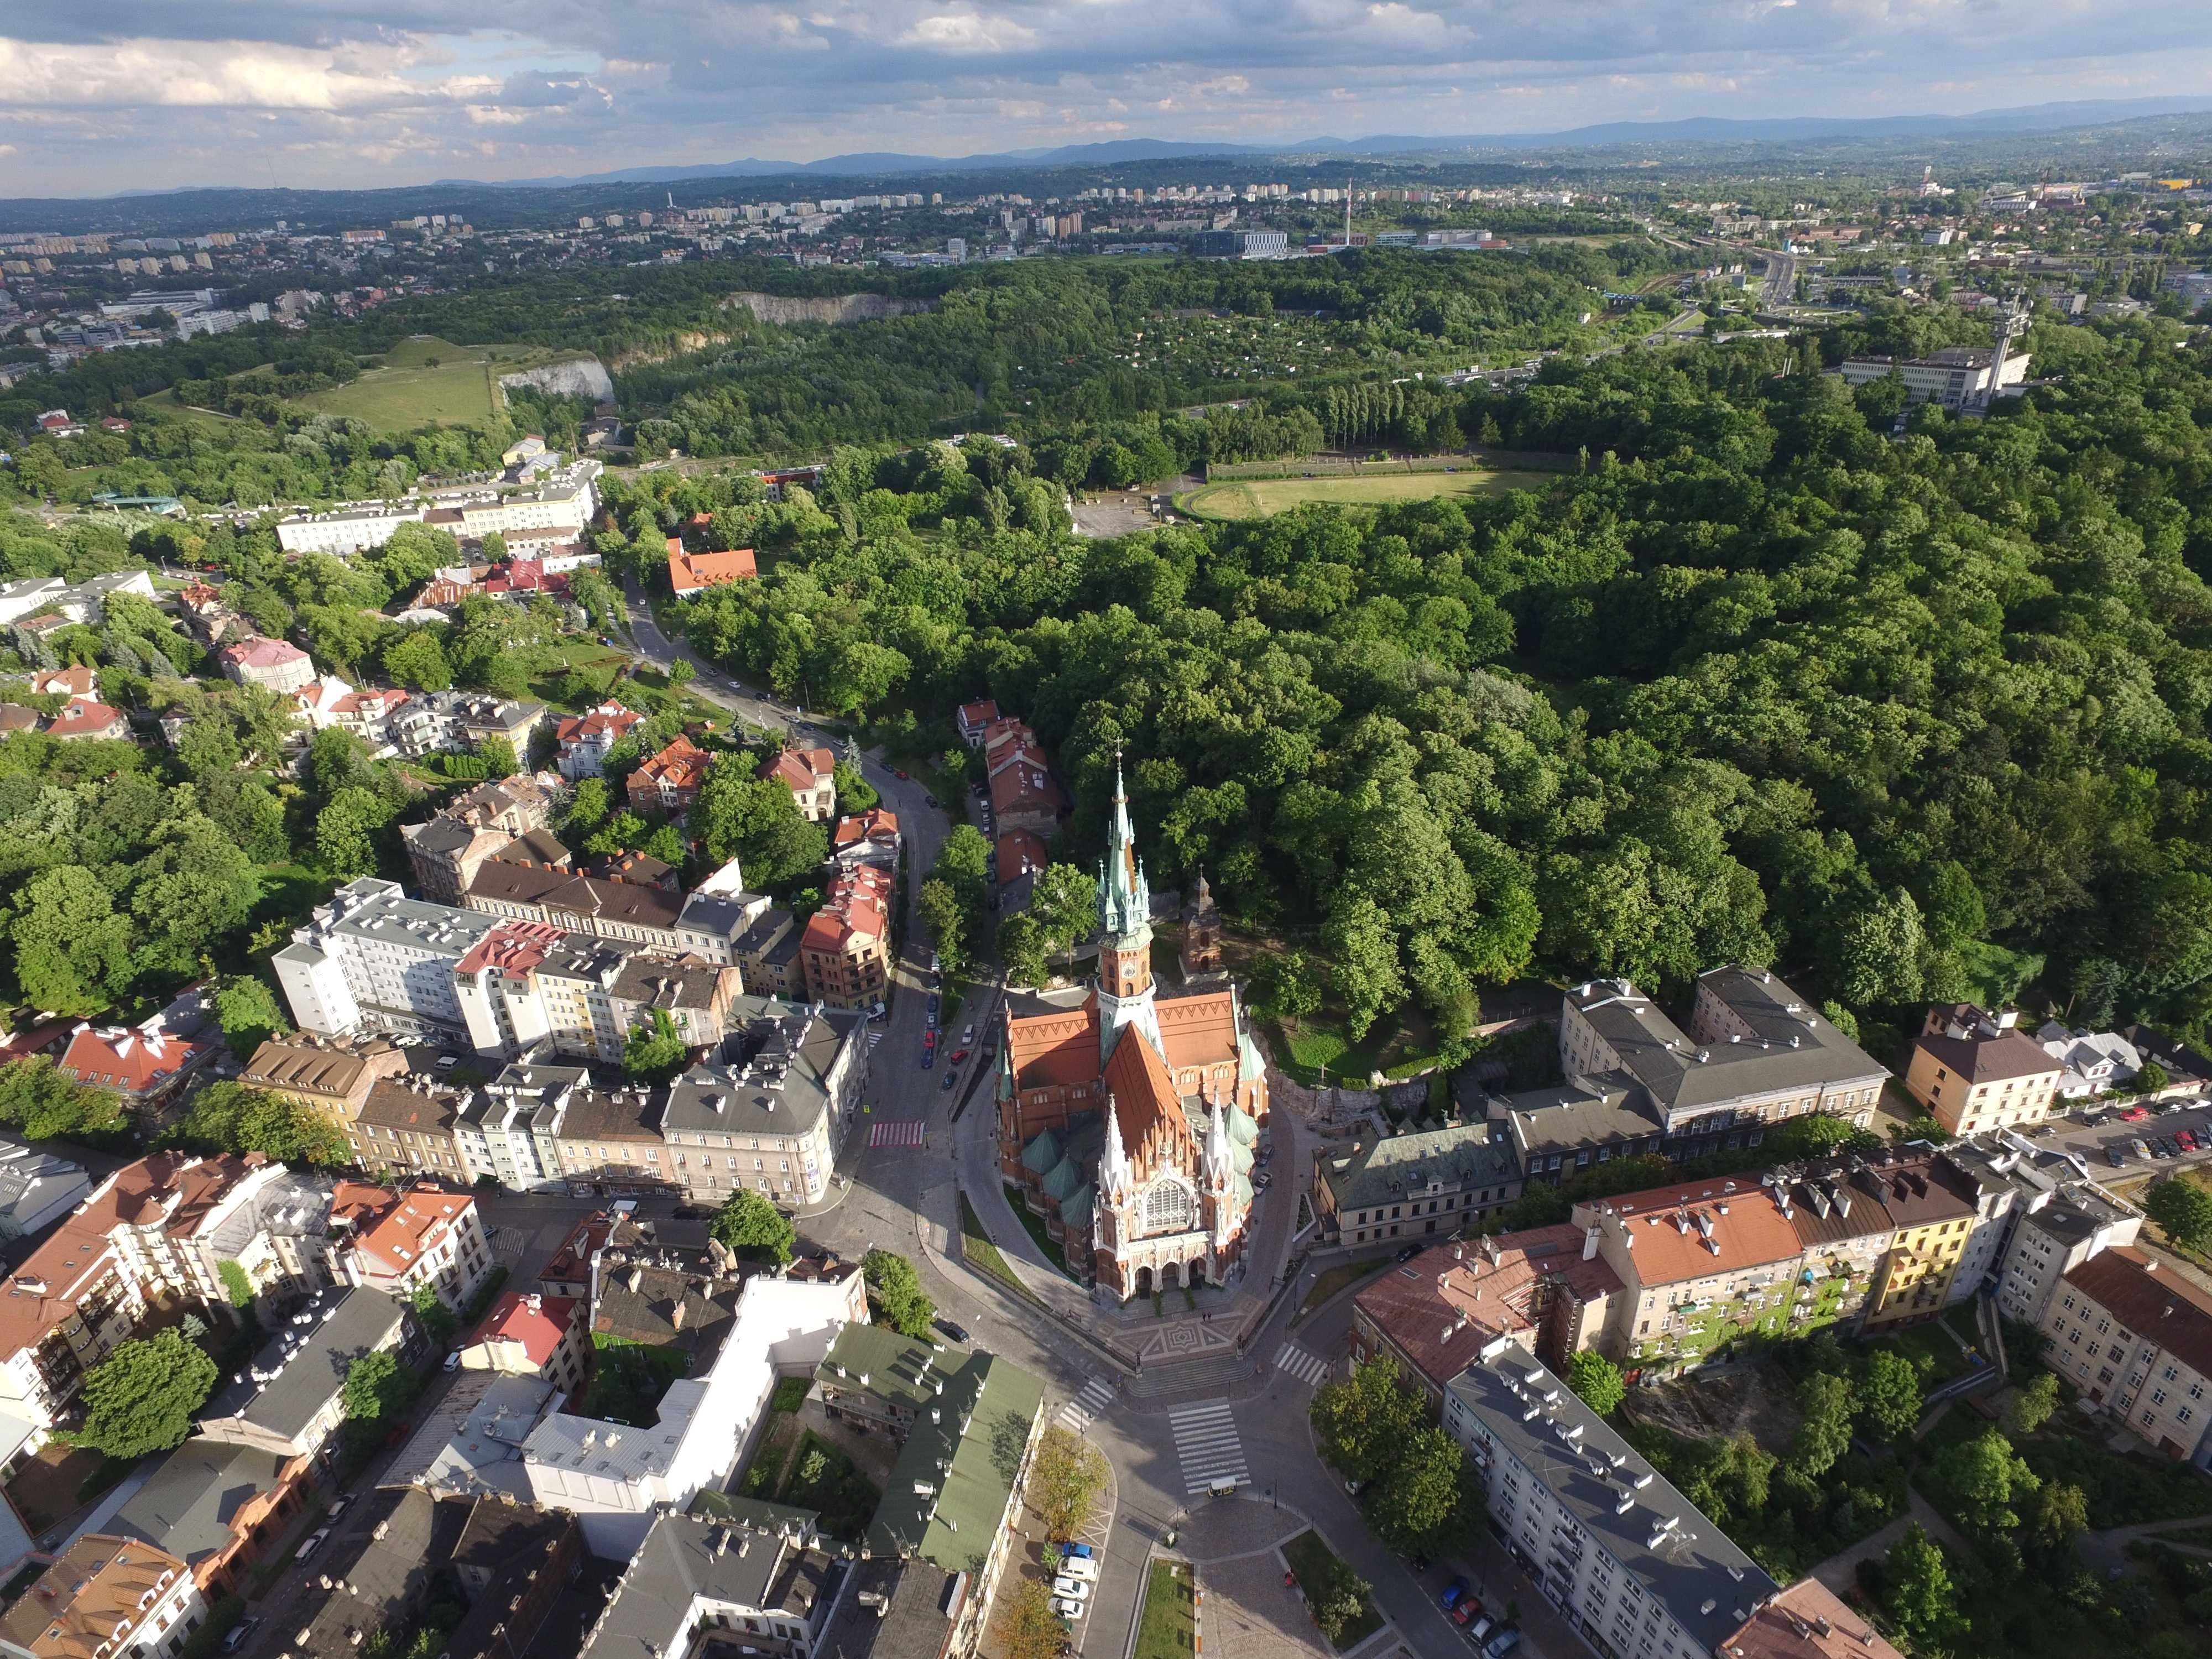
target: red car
959 1054
929 1039
1464 1612
900 775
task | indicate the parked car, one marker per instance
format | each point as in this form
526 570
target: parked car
935 1001
1409 1253
239 1634
1066 1609
1503 1642
453 1360
2141 1148
1453 1593
928 800
950 1079
900 775
338 1508
2184 1140
314 1542
446 1063
1082 1567
1074 1552
958 1333
1480 1629
2116 1157
959 1054
1469 1610
929 1040
928 1057
967 1036
1075 1589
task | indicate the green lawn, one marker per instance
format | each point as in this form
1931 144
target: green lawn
982 1254
1168 1629
1313 1561
1927 1341
425 381
1034 1224
1395 1045
1263 498
628 1379
1336 1279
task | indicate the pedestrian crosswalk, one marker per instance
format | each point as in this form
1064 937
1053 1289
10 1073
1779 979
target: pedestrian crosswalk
908 1134
1207 1442
1307 1368
1096 1395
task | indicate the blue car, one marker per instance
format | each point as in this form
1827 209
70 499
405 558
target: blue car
1081 1552
928 1057
1453 1591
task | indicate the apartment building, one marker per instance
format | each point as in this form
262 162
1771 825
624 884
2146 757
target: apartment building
331 1078
2136 1336
759 1588
463 721
372 959
1545 1287
1626 1559
528 1333
291 1399
811 774
1935 1210
1413 1186
1756 1053
586 738
2051 1216
443 853
105 1595
397 1241
1953 377
1024 794
528 986
1698 1261
407 1128
1835 1207
767 957
1805 1621
704 924
845 950
771 1109
273 664
1975 1069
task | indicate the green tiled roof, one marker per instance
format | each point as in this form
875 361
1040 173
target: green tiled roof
1243 1187
1243 1128
1043 1153
963 1465
1066 1176
897 1368
1075 1209
1464 1155
1248 1063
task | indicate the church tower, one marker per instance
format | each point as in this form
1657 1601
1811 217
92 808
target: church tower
1201 934
1125 934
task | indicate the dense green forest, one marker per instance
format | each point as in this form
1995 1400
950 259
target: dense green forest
1903 713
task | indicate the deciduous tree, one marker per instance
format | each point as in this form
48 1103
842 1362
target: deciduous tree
895 1291
142 1397
750 1224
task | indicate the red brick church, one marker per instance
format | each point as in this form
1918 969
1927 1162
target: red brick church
1129 1117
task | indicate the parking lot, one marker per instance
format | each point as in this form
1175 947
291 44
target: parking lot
2106 1137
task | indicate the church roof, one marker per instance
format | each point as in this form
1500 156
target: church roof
1043 1153
1054 1049
1144 1099
1198 1031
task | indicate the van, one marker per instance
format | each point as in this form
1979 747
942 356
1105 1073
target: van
1080 1567
1222 1489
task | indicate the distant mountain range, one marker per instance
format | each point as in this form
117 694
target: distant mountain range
1699 130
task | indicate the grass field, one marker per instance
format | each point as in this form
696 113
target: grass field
1263 498
427 381
1169 1627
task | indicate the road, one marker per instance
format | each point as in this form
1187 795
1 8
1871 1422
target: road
2094 1136
1780 287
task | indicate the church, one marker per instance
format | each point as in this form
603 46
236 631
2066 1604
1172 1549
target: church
1128 1111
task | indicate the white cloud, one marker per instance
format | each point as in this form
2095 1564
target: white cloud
173 74
968 31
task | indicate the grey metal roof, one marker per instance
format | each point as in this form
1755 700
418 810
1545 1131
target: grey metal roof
1463 1155
473 1440
1589 1112
721 915
1693 1566
772 1075
412 1535
304 1376
186 1508
581 896
682 1559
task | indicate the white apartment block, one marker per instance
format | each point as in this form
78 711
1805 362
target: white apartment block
373 959
1628 1560
396 1242
2136 1337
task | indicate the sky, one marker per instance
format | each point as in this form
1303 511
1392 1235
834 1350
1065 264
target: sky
104 95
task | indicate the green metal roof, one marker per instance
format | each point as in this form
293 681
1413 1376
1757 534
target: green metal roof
1043 1153
948 1492
1066 1176
893 1367
1243 1128
1075 1209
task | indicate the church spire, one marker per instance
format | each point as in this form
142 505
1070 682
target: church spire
1125 898
1125 932
1114 1177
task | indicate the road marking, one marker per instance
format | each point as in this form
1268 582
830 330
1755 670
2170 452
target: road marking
1207 1445
1079 1412
908 1134
1307 1368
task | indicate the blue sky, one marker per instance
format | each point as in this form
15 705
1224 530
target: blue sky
101 96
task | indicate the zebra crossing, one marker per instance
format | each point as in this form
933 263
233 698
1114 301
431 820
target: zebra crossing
908 1134
1309 1369
1207 1445
1077 1413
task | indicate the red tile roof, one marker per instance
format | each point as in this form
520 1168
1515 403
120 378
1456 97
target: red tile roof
800 768
1198 1031
978 714
689 573
127 1057
83 718
515 949
866 827
536 1329
75 681
1053 1051
1021 850
397 1239
261 651
1147 1108
856 914
682 765
1805 1621
2153 1300
604 724
1447 1302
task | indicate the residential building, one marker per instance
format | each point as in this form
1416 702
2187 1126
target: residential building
372 959
332 1078
78 602
696 1586
1024 794
2059 1217
1807 1620
36 1189
273 664
528 986
706 925
690 574
528 1333
617 1478
1975 1069
669 781
144 1064
349 529
78 680
771 1109
957 1489
1953 377
1935 1210
1414 1186
1697 1260
465 722
400 1241
377 1595
977 718
2095 1063
1835 1207
1164 1191
217 1506
845 950
506 1129
1626 1559
586 738
374 714
1756 1053
516 1562
444 853
1545 1287
278 1233
89 718
638 869
695 995
871 837
406 1128
474 1429
105 1595
2134 1335
897 1610
767 957
291 1400
811 774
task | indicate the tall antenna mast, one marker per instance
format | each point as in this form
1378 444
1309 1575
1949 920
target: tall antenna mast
1347 213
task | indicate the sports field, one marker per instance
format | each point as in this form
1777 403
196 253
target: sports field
1262 498
427 381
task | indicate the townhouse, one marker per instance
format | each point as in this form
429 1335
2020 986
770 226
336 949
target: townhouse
1024 794
1700 1262
845 950
444 852
105 1595
1975 1069
707 924
217 1506
1413 1186
811 774
406 1128
333 1078
528 1333
396 1242
771 1109
290 1399
586 738
760 1590
1934 1211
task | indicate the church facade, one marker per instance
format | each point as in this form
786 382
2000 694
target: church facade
1129 1117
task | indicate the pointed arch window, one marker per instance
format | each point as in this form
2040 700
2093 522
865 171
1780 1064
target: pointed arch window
1167 1207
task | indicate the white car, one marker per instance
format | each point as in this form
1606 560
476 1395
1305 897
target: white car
1075 1589
1066 1609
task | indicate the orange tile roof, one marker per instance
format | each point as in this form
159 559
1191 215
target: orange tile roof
1199 1031
679 766
1696 1229
1020 850
516 949
609 720
689 573
395 1240
76 681
1146 1106
89 1602
538 1329
83 717
1805 1621
800 768
126 1057
866 827
1051 1050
